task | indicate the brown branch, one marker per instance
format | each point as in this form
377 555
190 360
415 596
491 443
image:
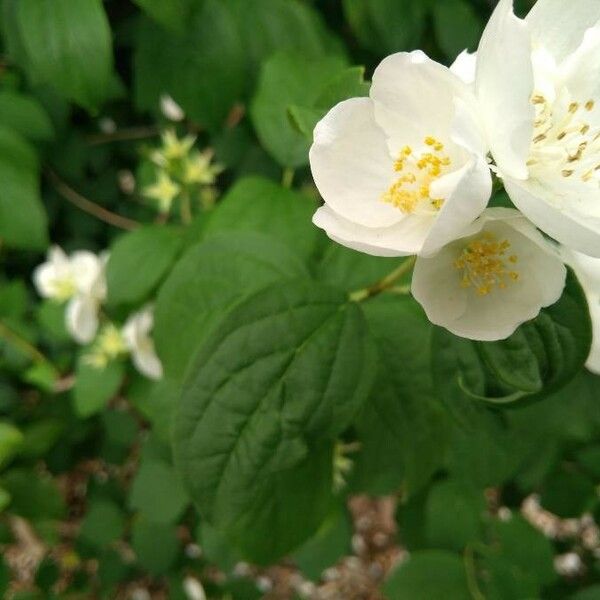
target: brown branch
124 135
81 202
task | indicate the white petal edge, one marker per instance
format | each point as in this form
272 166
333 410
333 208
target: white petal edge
559 25
468 200
82 318
580 234
465 66
504 84
414 97
351 165
403 239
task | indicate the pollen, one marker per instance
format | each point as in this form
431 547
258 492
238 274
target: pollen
412 190
485 265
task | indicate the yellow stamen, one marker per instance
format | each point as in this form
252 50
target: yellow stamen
483 265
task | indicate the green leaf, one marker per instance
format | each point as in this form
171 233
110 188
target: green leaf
94 386
289 366
453 516
138 262
40 436
4 502
402 429
568 493
68 45
284 508
386 26
158 493
429 574
11 440
519 561
25 115
103 523
155 544
348 84
350 270
275 25
259 205
457 26
541 357
172 14
34 496
327 546
287 80
202 68
23 221
206 282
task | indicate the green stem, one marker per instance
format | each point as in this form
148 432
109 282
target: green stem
386 283
186 208
287 179
469 558
22 344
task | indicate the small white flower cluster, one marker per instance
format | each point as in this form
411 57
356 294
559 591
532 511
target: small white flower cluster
407 171
80 281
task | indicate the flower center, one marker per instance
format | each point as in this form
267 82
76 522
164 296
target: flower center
564 141
486 265
412 189
63 289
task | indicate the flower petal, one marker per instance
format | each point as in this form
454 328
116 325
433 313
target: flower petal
578 231
437 285
414 98
402 239
351 165
465 66
472 188
504 84
559 26
82 318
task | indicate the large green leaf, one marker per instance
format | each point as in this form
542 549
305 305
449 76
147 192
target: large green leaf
68 45
287 80
206 281
259 205
25 115
172 14
542 356
202 68
286 368
138 261
457 26
386 26
23 221
403 428
274 25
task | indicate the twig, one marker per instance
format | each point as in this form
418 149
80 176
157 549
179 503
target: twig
287 178
124 135
22 344
68 193
385 284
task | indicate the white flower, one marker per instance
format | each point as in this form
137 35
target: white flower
78 279
587 270
138 341
538 86
170 109
499 274
401 172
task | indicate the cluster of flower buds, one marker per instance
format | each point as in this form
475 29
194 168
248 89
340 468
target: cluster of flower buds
409 169
79 280
182 174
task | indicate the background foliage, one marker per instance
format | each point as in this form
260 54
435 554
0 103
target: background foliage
281 397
